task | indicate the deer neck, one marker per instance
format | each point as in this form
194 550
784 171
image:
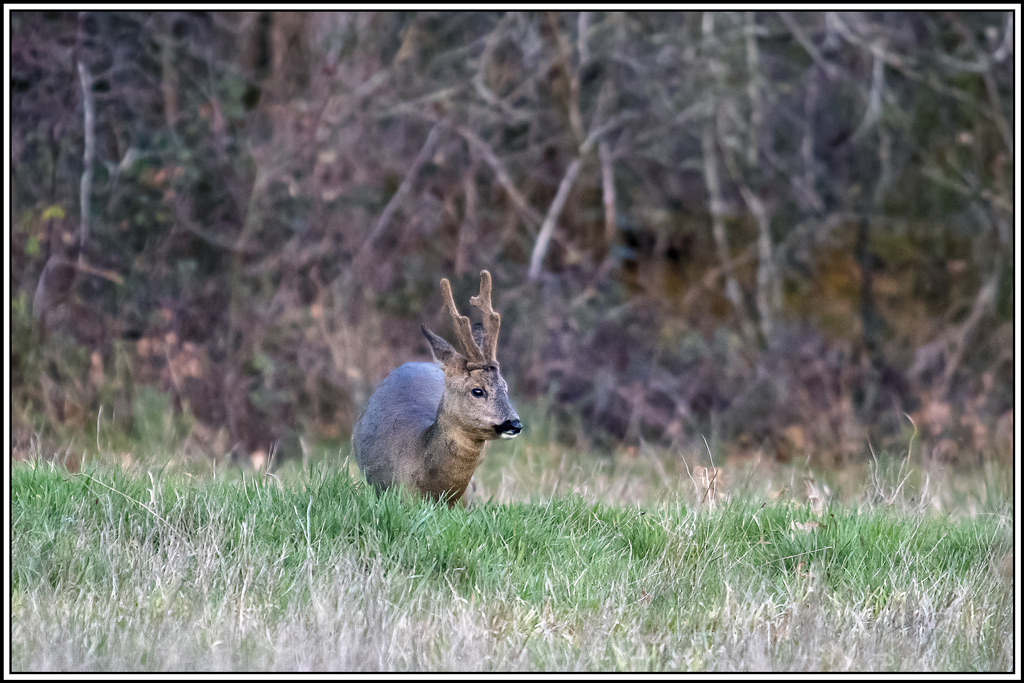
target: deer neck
452 452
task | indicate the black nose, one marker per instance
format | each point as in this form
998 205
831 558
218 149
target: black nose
512 427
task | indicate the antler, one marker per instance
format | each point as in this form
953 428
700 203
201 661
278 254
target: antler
492 320
463 331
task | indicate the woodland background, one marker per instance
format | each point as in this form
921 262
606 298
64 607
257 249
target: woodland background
784 232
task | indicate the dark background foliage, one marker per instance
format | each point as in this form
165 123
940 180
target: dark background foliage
783 231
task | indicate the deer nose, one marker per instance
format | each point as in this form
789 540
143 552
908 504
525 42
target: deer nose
509 428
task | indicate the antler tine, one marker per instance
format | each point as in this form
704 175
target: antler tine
492 319
463 330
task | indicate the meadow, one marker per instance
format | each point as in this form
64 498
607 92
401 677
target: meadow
561 564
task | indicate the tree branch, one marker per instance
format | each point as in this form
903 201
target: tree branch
769 291
541 245
525 208
88 156
396 199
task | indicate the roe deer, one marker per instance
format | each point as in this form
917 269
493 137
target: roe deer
425 426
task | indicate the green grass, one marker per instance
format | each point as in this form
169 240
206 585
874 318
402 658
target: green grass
123 569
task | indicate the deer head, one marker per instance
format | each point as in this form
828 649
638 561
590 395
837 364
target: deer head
476 396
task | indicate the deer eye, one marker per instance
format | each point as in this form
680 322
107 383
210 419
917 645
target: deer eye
478 392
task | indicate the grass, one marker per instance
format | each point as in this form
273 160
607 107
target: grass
120 568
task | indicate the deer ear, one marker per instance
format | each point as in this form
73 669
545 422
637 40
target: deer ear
443 352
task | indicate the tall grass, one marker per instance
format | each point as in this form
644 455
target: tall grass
124 569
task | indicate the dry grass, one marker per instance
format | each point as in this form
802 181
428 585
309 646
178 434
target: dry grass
127 570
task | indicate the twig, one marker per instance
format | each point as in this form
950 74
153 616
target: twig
571 173
604 154
712 180
753 90
983 63
540 247
89 154
84 267
531 214
403 189
828 67
901 65
768 294
874 109
960 335
572 77
478 78
236 246
582 27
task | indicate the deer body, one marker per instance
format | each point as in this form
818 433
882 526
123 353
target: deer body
401 439
425 426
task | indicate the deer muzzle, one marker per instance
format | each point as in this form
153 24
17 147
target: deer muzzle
509 429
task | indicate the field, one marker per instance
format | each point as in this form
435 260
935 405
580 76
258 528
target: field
755 280
564 566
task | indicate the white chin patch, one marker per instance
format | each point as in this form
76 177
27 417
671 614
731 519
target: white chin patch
506 435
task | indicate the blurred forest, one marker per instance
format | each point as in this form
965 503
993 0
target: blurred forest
781 231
